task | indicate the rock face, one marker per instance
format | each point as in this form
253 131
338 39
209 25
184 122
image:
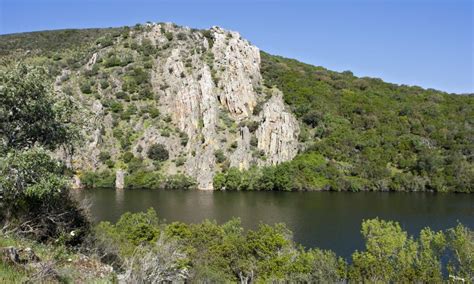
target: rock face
278 132
206 86
119 179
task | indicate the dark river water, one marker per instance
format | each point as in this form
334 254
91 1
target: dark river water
328 220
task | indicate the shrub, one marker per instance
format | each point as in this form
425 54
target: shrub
112 61
158 152
104 156
101 179
86 87
122 96
34 193
183 138
180 161
104 84
127 157
143 179
116 107
169 36
179 181
220 157
181 36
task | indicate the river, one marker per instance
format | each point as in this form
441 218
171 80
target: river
328 220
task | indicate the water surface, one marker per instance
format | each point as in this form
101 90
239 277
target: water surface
329 220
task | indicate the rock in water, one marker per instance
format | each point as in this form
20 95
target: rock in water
119 179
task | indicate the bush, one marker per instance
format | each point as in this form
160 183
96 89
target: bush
34 192
181 36
86 87
179 181
104 156
130 231
112 61
127 157
158 152
104 84
220 157
101 179
116 107
143 179
122 96
169 36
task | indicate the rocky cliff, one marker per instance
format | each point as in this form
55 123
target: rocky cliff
199 93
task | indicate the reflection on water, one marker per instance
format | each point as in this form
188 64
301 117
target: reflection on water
119 197
329 220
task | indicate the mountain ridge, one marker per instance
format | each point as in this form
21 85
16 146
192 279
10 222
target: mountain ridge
142 95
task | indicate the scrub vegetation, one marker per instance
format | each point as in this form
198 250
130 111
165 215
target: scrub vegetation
358 134
365 134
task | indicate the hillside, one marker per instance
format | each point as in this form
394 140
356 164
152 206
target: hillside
168 106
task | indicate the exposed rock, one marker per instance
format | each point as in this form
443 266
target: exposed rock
242 156
92 61
204 85
278 132
76 182
119 179
239 65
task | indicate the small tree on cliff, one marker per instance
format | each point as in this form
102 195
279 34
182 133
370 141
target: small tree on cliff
158 152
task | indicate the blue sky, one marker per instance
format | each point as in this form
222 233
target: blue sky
428 43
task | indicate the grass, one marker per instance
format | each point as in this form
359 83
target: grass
69 265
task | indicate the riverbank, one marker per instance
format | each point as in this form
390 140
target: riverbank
141 247
328 220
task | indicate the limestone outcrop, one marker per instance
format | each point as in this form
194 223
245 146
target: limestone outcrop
205 86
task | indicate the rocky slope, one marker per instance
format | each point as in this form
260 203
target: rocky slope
209 107
163 106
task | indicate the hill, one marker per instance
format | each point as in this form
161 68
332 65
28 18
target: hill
168 106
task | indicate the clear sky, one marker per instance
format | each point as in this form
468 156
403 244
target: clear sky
428 43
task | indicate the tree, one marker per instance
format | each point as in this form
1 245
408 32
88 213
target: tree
158 152
34 197
31 113
461 244
389 254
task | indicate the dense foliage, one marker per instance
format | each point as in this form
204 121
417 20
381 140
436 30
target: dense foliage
158 152
30 113
54 41
156 251
34 196
373 135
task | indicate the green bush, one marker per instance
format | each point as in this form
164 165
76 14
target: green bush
179 181
86 87
104 156
143 179
220 157
100 179
130 231
158 152
208 252
34 190
127 157
112 61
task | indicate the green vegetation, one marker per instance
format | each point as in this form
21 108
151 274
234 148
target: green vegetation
53 41
209 252
49 263
34 197
158 152
98 179
374 135
306 172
